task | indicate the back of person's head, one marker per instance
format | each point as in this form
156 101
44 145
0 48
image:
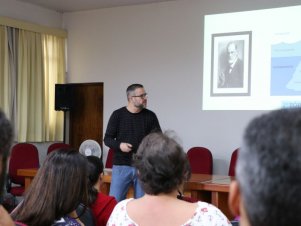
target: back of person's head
6 136
57 189
162 164
95 169
269 168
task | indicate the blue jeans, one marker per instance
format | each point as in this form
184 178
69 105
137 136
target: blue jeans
122 178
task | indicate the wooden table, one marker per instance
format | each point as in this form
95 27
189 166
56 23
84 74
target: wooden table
29 174
199 183
213 189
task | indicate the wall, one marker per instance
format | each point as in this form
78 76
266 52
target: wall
159 45
30 13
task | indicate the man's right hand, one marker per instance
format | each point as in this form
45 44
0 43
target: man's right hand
125 147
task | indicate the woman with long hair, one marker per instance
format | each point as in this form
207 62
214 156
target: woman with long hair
58 188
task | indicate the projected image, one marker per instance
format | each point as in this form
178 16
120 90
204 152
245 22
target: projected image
230 64
286 69
266 46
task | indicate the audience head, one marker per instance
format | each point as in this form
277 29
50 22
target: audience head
58 188
95 170
162 164
267 190
6 136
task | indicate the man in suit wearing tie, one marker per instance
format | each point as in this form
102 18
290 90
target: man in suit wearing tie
232 75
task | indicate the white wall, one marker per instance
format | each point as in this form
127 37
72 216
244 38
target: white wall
30 13
159 45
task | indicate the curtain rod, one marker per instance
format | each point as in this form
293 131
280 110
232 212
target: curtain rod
32 27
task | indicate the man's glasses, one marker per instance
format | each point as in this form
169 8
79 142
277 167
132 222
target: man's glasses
143 95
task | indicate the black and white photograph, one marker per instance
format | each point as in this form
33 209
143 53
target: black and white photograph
230 64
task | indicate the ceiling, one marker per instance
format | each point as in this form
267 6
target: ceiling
80 5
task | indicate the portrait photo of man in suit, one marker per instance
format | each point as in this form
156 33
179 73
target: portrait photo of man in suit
232 73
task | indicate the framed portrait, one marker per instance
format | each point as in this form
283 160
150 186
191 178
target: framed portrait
231 64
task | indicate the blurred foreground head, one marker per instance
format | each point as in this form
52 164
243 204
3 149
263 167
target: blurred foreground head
268 171
6 136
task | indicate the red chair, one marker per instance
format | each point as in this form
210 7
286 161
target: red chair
200 159
56 146
109 161
233 163
23 156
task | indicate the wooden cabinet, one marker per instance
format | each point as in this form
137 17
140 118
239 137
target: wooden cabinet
86 114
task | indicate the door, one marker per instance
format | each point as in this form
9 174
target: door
86 115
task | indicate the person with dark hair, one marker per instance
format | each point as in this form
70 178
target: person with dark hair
232 75
163 167
58 188
267 187
101 205
126 128
6 137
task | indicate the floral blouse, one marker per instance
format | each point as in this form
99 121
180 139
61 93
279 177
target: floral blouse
204 215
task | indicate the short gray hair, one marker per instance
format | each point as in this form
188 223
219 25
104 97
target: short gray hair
269 168
132 88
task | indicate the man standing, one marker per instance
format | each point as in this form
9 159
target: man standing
232 75
126 128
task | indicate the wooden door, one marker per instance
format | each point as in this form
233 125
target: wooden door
86 115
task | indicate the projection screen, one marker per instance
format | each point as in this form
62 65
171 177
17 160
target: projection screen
252 60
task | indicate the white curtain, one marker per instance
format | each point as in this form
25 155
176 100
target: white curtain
30 66
54 71
5 78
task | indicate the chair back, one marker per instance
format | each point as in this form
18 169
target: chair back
233 163
85 215
23 156
55 146
200 159
109 161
